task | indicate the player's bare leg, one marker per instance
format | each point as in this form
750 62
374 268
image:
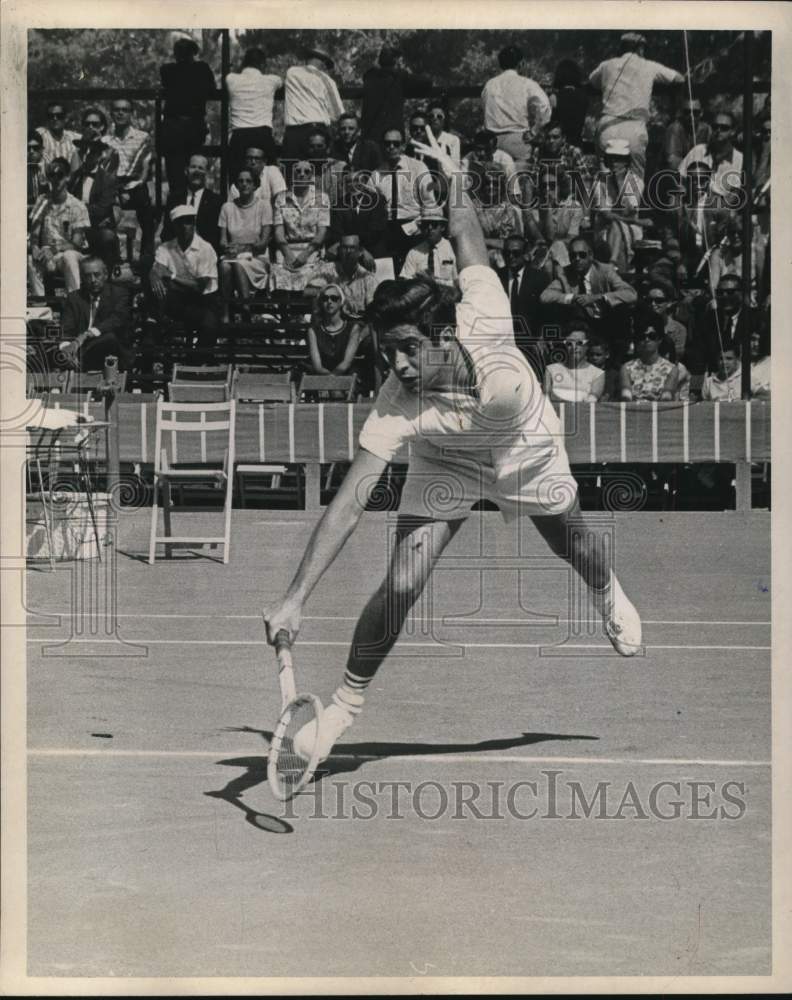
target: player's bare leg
419 543
585 549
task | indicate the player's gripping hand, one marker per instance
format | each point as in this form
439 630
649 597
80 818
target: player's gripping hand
287 614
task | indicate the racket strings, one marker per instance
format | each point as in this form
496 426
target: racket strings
297 744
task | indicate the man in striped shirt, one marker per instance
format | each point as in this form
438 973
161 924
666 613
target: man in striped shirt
135 151
58 140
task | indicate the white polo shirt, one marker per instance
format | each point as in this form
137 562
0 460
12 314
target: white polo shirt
198 261
251 95
507 98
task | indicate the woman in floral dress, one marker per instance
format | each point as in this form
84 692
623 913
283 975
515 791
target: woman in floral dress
649 376
301 217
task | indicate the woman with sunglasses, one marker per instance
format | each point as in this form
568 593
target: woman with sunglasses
574 379
648 376
245 227
333 337
465 404
301 219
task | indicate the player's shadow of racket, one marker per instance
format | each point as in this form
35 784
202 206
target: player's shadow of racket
255 773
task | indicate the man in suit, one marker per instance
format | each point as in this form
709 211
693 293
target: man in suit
350 147
206 203
94 183
524 283
593 291
96 320
721 328
362 213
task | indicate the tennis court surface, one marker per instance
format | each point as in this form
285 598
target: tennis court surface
151 828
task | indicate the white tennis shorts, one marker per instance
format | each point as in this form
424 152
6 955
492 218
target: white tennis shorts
444 487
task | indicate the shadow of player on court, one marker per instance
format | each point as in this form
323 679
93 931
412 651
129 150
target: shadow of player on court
349 757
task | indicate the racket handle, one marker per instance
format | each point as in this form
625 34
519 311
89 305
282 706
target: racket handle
282 642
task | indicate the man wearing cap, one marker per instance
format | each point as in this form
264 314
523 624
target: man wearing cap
184 279
188 84
626 83
515 106
434 255
207 203
311 98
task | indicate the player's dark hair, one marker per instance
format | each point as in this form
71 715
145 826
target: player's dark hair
420 302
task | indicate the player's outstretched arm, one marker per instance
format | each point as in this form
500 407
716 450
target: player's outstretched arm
328 538
464 228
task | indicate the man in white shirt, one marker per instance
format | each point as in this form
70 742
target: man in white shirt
434 255
270 180
447 141
626 83
311 98
184 280
464 399
515 107
251 94
720 155
726 384
407 187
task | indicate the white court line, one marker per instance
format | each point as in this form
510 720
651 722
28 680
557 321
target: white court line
441 620
481 758
411 645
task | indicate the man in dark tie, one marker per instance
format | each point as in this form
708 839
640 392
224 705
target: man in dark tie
96 320
524 283
407 187
206 203
350 147
721 328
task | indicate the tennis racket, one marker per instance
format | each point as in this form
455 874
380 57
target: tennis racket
289 771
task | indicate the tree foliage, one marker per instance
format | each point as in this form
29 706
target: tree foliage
132 57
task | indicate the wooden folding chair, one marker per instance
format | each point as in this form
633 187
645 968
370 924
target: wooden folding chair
199 392
258 385
316 388
189 420
202 373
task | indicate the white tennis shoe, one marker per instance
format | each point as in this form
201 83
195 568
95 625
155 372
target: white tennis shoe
622 623
335 722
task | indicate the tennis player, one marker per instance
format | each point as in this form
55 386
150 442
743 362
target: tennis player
466 401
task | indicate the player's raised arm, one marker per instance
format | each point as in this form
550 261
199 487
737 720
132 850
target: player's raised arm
328 538
464 228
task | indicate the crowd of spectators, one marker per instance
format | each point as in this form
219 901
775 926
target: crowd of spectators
622 257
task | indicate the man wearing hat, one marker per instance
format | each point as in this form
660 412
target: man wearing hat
311 98
434 255
184 279
188 83
626 84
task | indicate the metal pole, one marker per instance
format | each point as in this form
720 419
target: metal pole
745 346
225 69
157 161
